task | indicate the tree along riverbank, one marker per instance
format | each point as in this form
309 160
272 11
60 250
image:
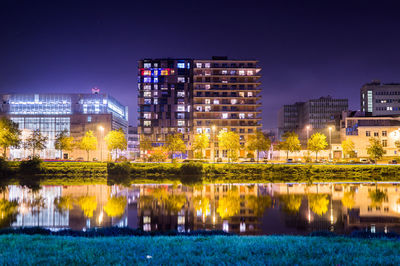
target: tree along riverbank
202 172
199 250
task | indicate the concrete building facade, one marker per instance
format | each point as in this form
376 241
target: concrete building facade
380 99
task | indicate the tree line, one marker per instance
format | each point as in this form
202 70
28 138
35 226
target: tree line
35 141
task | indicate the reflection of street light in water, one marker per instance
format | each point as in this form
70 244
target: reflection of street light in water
101 217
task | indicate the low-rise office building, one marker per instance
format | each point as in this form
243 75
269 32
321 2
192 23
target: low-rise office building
52 113
380 99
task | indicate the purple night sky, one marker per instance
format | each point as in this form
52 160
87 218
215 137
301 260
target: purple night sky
306 49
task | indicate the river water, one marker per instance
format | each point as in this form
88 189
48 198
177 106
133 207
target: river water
246 209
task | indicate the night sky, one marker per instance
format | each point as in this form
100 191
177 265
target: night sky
306 49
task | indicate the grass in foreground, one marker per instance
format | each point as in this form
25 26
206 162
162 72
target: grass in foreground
24 249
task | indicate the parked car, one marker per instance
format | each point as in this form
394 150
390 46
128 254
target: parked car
393 162
219 160
364 160
289 160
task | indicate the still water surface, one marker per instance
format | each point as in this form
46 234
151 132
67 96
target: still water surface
248 209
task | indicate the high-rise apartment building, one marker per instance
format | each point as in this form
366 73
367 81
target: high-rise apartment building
380 99
52 113
165 99
315 115
193 96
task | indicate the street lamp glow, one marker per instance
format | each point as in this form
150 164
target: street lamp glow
213 128
101 128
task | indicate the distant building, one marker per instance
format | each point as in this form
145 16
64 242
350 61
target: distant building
192 96
316 115
380 99
52 113
133 149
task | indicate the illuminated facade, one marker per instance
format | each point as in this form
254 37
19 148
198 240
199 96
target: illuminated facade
193 96
165 99
53 113
380 99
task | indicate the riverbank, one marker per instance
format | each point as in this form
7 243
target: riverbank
200 250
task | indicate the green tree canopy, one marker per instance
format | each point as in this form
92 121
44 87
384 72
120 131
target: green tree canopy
375 149
9 135
116 140
64 142
229 141
88 143
258 142
290 143
175 144
348 148
317 143
200 143
318 203
115 206
36 142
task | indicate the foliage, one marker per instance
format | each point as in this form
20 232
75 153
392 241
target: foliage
8 212
317 143
348 148
64 142
5 168
377 197
36 142
201 204
145 144
88 143
348 199
192 168
32 166
88 205
259 204
229 205
158 155
290 143
397 144
258 142
200 143
9 135
175 144
291 202
115 206
318 203
174 203
375 149
64 203
229 141
116 140
118 169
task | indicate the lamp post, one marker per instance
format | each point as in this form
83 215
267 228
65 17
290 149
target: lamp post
101 128
213 142
330 142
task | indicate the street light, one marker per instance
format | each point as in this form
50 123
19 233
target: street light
213 128
330 142
308 129
101 128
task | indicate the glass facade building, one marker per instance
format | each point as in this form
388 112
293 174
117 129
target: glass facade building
54 113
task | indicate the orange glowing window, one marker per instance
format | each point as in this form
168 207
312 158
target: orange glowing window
164 72
146 73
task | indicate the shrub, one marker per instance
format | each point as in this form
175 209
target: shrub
118 169
4 167
32 166
192 168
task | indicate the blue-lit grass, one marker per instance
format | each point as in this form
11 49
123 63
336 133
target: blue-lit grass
23 249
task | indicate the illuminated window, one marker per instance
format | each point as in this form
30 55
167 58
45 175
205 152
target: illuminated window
164 72
147 94
207 108
147 115
199 108
250 94
207 130
199 130
224 72
241 73
181 65
241 94
147 123
207 65
155 80
180 108
155 93
147 101
181 123
233 72
146 73
216 101
208 86
147 65
250 72
207 101
225 225
180 94
89 119
224 115
241 116
147 80
147 227
198 65
181 79
233 101
147 87
250 115
180 115
155 100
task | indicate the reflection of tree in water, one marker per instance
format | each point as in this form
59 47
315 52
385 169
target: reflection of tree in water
146 202
201 204
8 212
348 199
291 203
174 203
318 203
377 196
258 204
37 204
64 203
115 206
88 205
229 205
